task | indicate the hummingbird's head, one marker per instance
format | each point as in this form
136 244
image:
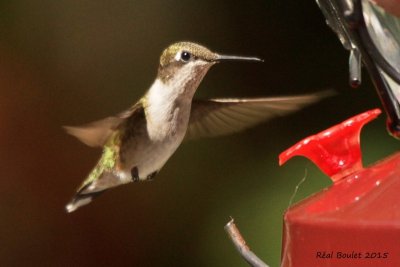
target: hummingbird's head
186 63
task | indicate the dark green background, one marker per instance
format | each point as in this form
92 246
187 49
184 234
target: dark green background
71 62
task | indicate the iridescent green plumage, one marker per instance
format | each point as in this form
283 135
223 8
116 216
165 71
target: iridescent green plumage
106 163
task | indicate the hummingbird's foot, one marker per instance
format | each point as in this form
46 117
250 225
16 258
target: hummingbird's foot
135 174
151 176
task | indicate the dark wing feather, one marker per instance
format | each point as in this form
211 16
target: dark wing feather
216 117
96 133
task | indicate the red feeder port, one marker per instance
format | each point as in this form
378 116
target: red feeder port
354 222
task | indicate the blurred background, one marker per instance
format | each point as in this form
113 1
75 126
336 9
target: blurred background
71 62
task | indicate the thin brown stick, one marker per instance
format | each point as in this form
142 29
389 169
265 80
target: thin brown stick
241 246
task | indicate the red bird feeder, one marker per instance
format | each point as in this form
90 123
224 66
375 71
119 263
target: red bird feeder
354 222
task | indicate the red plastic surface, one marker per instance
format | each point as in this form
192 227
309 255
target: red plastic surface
356 221
336 151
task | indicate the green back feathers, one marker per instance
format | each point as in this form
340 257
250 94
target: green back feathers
106 163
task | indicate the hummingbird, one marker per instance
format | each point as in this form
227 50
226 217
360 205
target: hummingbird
137 142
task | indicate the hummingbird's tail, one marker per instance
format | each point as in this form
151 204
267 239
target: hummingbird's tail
98 181
81 199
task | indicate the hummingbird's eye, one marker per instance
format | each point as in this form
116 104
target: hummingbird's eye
185 56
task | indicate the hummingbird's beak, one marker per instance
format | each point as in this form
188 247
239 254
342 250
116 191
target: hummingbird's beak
226 57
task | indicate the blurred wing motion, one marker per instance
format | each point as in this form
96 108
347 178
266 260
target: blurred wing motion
96 133
216 117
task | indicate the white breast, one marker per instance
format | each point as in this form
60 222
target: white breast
167 112
167 119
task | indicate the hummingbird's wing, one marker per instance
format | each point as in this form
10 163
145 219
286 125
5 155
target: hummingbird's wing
97 133
216 117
